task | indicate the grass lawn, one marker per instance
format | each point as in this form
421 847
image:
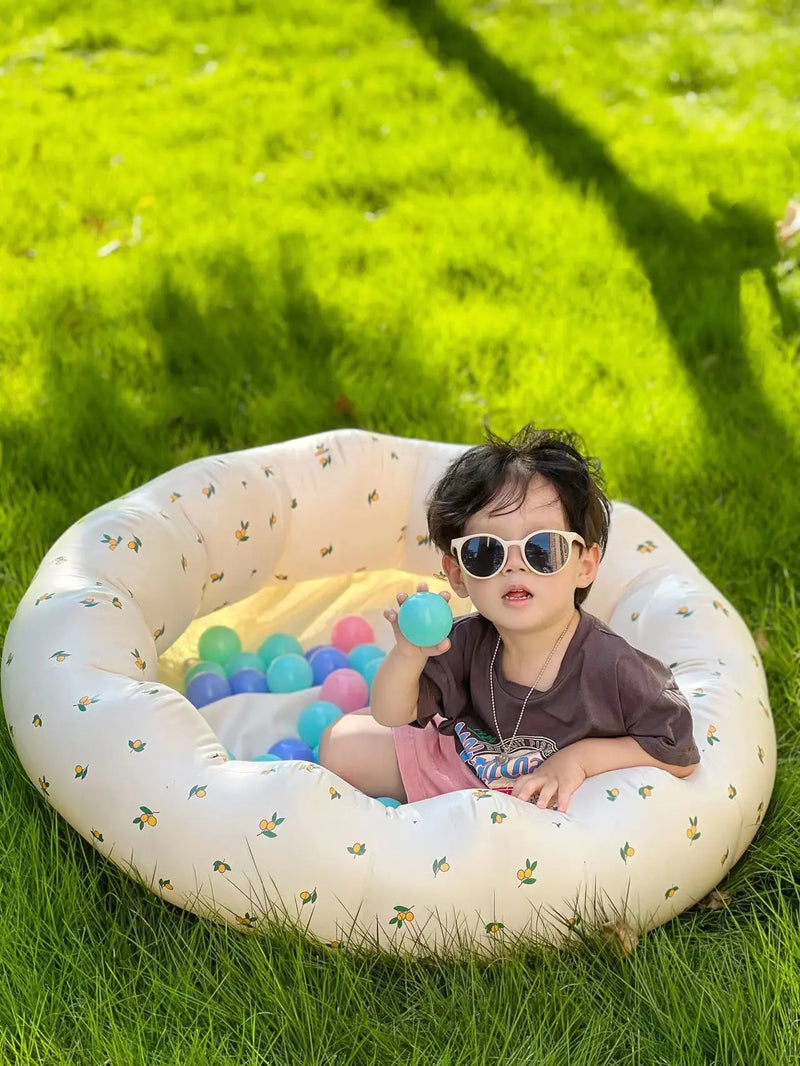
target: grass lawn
224 223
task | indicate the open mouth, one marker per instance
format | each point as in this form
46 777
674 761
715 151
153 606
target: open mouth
517 595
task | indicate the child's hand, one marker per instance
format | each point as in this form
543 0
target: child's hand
553 782
405 647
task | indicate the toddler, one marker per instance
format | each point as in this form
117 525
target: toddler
530 694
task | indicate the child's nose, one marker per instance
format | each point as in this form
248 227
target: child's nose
515 559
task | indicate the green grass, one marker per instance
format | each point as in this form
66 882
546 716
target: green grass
415 218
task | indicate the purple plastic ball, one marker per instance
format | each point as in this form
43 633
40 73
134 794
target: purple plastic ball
292 748
325 660
207 688
248 680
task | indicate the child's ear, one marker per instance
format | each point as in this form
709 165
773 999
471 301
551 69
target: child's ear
587 570
454 576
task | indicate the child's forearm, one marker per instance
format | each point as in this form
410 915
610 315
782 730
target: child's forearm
598 754
395 689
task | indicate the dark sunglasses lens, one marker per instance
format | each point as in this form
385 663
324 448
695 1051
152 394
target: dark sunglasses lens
547 553
482 556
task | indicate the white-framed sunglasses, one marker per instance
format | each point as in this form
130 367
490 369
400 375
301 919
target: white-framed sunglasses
545 552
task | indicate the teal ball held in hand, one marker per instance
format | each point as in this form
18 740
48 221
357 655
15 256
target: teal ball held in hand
425 619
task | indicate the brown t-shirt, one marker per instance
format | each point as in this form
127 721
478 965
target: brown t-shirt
604 688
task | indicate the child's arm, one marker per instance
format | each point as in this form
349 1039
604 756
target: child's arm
598 754
395 687
564 772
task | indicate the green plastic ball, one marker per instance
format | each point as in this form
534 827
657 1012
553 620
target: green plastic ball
219 643
245 660
278 644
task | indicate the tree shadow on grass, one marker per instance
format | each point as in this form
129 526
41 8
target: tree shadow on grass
694 267
241 357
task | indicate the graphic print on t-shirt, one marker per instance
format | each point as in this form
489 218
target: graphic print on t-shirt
494 763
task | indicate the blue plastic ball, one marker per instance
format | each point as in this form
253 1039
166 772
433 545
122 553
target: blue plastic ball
292 748
315 719
205 666
310 651
289 673
278 644
425 619
206 688
325 660
245 660
315 752
387 801
362 654
370 670
248 681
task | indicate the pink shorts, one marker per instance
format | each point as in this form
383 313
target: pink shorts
429 764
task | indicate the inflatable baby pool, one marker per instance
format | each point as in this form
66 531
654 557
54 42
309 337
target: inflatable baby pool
288 537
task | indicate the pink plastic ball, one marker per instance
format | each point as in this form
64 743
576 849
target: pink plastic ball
350 630
347 689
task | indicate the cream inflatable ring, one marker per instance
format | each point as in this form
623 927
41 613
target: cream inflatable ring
290 536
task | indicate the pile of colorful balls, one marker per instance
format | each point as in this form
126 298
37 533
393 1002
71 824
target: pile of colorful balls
344 669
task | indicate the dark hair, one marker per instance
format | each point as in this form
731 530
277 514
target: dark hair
479 476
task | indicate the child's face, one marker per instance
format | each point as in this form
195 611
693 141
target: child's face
552 596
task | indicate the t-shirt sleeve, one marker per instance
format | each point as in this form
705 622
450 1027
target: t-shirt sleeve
443 683
657 714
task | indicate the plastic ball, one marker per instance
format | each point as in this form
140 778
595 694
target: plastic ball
245 660
387 801
292 748
315 719
362 654
347 689
315 752
425 619
325 660
248 681
369 672
278 644
289 673
268 757
204 667
350 630
219 643
206 688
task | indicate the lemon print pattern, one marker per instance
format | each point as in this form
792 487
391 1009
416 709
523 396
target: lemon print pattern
731 792
81 772
493 928
693 832
646 791
86 701
308 897
90 601
37 721
241 533
440 866
670 892
200 791
117 602
44 785
402 916
137 745
60 656
334 794
147 817
140 663
98 835
112 542
166 884
646 548
221 867
498 817
711 735
626 852
134 544
612 794
357 849
525 875
247 920
267 826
